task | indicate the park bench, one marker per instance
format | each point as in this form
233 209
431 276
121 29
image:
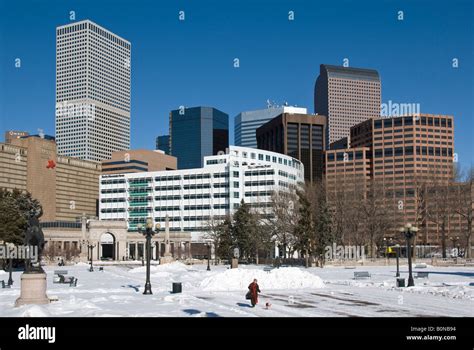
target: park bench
361 274
58 276
5 285
420 274
267 268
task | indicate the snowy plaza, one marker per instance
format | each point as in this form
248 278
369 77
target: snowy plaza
289 292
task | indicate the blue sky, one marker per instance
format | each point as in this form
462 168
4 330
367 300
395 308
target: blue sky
190 62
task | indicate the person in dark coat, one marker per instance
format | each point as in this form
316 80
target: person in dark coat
254 290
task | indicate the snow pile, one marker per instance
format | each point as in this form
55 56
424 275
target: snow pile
2 272
454 292
35 311
283 278
174 267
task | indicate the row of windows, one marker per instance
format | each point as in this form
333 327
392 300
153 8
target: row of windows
169 208
113 190
139 181
168 188
408 151
193 207
113 210
168 178
168 198
259 172
112 200
260 183
221 175
197 207
408 121
139 190
195 176
198 186
349 155
258 193
113 182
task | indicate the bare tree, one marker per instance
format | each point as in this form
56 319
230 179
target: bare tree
377 214
440 205
345 197
464 207
283 219
219 232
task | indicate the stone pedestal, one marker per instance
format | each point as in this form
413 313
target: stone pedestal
234 264
33 289
166 259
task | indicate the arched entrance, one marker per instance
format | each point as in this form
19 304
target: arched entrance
107 244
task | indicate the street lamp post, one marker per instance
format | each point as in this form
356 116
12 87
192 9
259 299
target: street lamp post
10 265
90 252
409 231
10 268
398 257
208 256
148 233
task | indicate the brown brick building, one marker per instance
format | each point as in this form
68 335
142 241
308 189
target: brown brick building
408 156
133 161
300 136
66 187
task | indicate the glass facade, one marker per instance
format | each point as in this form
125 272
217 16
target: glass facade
197 132
163 143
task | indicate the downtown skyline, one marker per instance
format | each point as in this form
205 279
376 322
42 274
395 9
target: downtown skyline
193 65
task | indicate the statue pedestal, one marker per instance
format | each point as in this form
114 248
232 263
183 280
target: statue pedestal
166 259
234 264
33 289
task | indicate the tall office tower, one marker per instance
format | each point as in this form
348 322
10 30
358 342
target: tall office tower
347 96
92 91
405 156
300 136
197 132
247 123
163 143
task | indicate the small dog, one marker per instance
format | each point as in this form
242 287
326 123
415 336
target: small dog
267 305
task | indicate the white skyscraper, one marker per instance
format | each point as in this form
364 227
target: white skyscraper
246 123
92 91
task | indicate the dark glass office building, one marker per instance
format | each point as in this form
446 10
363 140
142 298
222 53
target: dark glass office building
163 143
300 136
197 132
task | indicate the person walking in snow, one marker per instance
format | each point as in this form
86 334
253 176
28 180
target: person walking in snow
254 290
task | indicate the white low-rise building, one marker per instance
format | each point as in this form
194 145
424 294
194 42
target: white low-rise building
192 198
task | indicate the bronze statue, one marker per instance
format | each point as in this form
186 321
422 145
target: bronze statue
34 237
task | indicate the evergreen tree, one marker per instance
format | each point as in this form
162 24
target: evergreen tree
224 241
15 207
304 230
243 230
324 235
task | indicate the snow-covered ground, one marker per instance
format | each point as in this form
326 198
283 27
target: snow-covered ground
331 291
